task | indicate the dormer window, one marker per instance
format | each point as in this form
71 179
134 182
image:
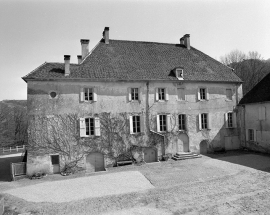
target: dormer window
179 73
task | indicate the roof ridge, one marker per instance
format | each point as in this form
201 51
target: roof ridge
136 41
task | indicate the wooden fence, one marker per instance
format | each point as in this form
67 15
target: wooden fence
12 149
18 170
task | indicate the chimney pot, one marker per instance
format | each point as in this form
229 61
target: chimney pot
106 35
79 59
67 64
85 47
187 41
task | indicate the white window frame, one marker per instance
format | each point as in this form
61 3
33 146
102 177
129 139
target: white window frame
233 123
179 73
229 99
184 92
208 122
130 97
253 133
205 92
83 127
180 124
166 126
132 123
83 92
166 94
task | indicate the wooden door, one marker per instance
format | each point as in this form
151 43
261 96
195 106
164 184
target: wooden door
149 155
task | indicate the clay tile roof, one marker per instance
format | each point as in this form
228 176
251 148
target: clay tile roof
259 93
132 60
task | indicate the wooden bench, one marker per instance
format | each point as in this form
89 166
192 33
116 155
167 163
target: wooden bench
122 163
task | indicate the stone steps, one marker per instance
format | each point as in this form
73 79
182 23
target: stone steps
185 155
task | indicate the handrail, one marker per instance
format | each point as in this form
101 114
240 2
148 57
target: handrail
10 149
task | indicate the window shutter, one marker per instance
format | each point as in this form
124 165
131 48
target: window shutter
234 120
198 95
129 94
247 137
255 135
94 94
140 93
97 126
226 120
207 94
186 122
158 124
166 94
82 127
209 121
261 113
156 94
82 94
131 124
168 123
200 121
142 123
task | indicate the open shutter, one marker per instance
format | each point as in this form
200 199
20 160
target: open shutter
94 94
82 94
156 94
207 94
186 122
97 126
247 137
168 123
198 94
142 123
209 121
131 124
140 93
82 127
200 121
129 94
234 120
255 135
158 124
226 120
166 94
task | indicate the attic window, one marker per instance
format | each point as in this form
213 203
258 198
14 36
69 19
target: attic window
179 74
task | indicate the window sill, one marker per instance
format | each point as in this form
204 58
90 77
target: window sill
228 100
206 129
203 100
184 101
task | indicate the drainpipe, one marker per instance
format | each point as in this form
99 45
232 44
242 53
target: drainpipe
147 111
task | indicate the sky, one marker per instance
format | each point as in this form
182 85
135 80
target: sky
35 31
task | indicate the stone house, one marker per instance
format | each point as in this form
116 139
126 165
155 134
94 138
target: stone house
129 100
254 110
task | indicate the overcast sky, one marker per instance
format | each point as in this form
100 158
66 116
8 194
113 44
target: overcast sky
33 32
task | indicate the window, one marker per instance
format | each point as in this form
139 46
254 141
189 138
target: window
55 159
182 121
89 126
230 120
180 74
251 136
204 123
88 94
181 94
202 94
162 123
161 93
229 94
135 124
134 94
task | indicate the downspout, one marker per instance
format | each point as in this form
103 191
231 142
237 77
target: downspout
244 110
147 111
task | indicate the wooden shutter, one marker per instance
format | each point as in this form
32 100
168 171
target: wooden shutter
131 124
234 120
142 122
94 94
166 94
255 134
156 94
82 127
209 121
186 122
226 120
207 93
168 123
158 124
97 126
129 94
140 93
261 113
200 121
82 94
198 94
247 137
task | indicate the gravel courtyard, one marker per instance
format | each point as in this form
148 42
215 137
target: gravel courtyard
230 183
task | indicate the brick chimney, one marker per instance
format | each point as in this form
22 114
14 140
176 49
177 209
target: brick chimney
79 59
67 64
85 47
106 35
187 41
182 41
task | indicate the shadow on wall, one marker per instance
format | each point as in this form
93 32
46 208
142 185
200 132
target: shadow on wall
254 160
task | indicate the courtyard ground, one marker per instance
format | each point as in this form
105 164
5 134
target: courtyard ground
229 183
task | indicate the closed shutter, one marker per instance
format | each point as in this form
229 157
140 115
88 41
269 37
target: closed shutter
142 122
200 121
158 124
209 121
234 120
82 128
82 94
131 124
166 94
156 94
97 126
94 94
129 94
226 120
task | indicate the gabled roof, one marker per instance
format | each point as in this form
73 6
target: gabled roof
133 60
260 93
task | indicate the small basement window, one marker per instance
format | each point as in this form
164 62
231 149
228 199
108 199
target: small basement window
55 159
53 94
